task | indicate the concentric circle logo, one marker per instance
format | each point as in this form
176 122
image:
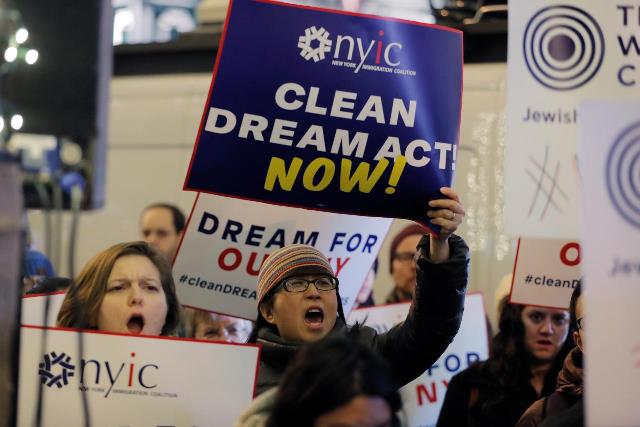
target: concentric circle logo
56 369
314 44
563 47
623 174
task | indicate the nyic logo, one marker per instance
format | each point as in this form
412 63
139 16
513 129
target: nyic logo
623 174
103 376
56 369
352 52
563 47
306 43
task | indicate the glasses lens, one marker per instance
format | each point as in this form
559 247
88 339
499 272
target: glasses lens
296 285
325 284
405 256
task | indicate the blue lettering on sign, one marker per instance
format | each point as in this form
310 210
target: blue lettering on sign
253 235
628 44
121 374
454 363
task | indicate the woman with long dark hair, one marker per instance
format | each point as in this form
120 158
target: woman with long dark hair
527 355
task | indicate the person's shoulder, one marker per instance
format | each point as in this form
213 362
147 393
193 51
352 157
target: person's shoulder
472 375
257 414
37 263
533 415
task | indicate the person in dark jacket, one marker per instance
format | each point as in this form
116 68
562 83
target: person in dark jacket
337 381
299 302
527 355
570 384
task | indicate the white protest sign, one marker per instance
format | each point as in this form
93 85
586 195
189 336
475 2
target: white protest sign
380 317
34 307
559 55
133 381
545 272
609 153
226 241
423 397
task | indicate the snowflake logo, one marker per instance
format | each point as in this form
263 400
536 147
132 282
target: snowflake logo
305 43
48 366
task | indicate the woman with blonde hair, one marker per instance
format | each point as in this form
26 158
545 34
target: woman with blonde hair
128 288
203 325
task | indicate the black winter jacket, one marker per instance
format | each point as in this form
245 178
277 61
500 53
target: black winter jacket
411 347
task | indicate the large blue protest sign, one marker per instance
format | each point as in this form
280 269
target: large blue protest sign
330 110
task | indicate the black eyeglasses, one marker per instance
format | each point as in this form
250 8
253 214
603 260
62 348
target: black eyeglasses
405 256
580 323
298 284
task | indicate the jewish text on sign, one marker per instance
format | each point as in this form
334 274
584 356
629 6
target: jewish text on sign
559 55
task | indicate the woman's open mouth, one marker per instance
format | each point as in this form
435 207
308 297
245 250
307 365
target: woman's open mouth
135 325
314 318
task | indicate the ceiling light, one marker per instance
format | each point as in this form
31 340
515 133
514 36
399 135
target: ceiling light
31 57
16 121
22 35
10 54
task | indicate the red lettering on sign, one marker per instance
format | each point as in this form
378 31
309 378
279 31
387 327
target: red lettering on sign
251 265
340 264
421 389
564 254
223 261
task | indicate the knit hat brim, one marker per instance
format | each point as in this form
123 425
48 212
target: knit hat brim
290 261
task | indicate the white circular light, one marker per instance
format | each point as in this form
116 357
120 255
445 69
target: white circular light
31 57
22 35
1 124
70 153
10 54
16 121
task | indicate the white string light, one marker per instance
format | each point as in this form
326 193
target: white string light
10 54
17 121
31 57
22 35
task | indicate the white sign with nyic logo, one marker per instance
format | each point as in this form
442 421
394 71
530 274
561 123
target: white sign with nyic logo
226 241
609 153
131 381
423 397
560 55
545 273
